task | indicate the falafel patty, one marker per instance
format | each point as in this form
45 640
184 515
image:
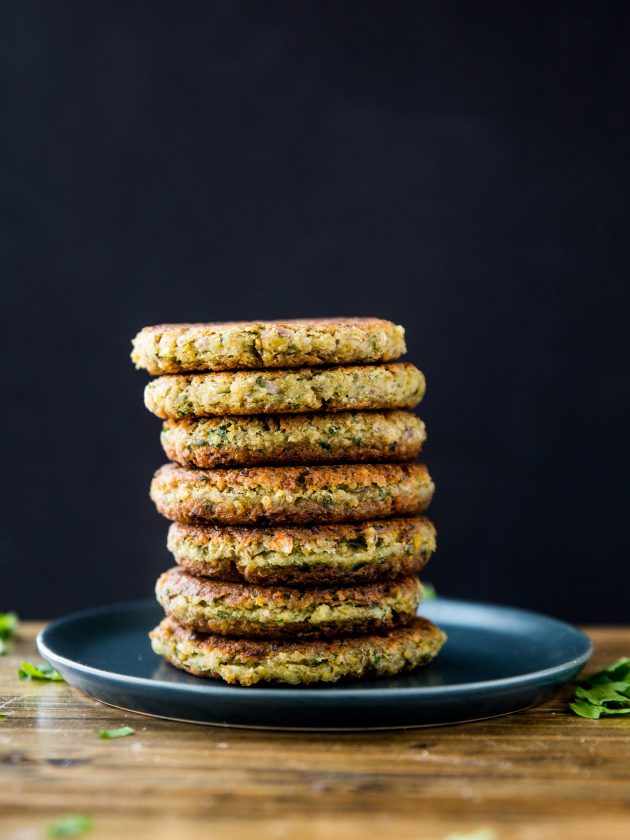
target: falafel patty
257 495
177 348
298 439
397 385
247 661
305 555
239 609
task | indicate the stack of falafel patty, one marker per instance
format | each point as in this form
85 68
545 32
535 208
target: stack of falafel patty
294 498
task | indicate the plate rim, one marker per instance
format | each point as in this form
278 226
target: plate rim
269 691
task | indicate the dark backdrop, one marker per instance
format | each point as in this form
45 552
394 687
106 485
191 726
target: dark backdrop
459 168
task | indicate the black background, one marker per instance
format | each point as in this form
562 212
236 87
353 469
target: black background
459 168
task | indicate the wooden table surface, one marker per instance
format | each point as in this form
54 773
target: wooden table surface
542 773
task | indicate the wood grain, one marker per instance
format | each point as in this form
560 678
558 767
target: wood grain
534 775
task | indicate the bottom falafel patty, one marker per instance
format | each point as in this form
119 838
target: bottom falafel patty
247 661
237 609
302 555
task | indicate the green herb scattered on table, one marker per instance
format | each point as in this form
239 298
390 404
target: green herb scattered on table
605 693
9 623
121 732
28 671
70 825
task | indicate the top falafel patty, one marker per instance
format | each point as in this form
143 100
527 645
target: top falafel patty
178 348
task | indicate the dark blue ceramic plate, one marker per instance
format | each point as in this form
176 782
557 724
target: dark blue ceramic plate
497 660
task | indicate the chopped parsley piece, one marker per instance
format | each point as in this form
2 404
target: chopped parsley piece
8 627
2 715
605 693
70 825
110 734
28 671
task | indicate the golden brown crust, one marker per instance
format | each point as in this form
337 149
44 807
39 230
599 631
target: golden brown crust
399 385
280 612
228 570
340 493
348 437
177 348
250 661
305 556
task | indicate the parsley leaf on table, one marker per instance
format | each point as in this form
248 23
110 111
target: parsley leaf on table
121 732
605 693
70 825
9 623
28 671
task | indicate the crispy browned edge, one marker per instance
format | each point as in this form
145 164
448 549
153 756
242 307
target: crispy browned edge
292 478
272 478
332 322
274 575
